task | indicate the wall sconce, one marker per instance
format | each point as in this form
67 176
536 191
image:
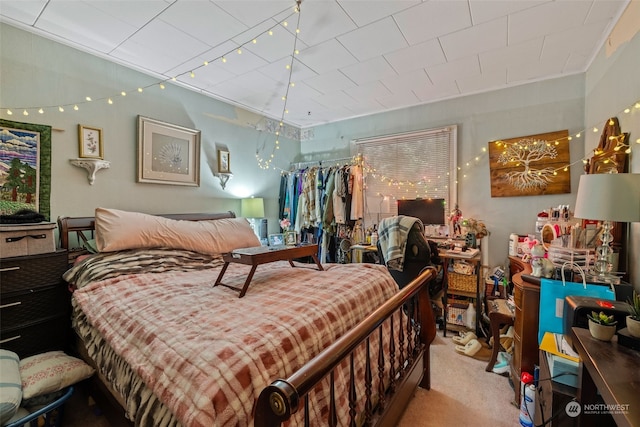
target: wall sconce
224 177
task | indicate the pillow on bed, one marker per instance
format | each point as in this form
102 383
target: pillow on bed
119 230
51 371
10 385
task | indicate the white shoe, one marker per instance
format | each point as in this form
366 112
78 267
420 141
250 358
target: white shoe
502 365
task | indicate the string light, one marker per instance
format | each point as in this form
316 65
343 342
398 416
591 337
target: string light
265 161
422 187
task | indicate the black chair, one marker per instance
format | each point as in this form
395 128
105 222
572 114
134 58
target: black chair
419 253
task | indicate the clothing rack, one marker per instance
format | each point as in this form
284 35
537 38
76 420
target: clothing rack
357 159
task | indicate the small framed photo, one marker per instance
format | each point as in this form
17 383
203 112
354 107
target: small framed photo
90 142
168 153
276 239
290 238
224 165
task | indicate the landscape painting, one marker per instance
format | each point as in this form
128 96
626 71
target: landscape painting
25 167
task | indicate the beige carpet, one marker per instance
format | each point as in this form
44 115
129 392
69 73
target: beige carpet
462 393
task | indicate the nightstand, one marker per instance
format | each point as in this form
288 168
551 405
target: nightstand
35 304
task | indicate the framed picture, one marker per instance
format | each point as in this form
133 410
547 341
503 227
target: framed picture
276 239
167 153
290 238
26 152
90 142
224 165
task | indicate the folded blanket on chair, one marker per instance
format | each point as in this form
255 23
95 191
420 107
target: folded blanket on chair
392 235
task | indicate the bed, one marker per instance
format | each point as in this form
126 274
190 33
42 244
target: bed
302 347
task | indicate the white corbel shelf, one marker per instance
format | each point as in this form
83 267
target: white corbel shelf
92 166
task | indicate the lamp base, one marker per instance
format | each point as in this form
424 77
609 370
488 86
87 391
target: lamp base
595 277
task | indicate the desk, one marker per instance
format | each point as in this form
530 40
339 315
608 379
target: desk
263 255
476 261
358 251
613 371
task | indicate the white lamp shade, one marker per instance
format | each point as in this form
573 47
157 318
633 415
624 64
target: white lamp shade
252 208
609 197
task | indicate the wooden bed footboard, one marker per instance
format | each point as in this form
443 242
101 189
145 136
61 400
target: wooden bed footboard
383 407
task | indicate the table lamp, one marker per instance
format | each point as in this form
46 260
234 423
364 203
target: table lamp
253 209
608 197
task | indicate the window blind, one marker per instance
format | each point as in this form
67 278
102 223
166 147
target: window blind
412 165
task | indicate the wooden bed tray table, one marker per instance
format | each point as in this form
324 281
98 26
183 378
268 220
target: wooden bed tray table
263 255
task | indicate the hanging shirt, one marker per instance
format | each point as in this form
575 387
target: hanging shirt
357 200
339 197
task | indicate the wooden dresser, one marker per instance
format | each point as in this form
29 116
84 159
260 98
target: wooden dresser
35 304
525 338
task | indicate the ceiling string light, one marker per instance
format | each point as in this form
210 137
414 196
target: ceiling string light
263 156
161 83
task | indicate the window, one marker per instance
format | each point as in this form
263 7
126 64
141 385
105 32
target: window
410 165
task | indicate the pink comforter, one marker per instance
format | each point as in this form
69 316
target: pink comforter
207 353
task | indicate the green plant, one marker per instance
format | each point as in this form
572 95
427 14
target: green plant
634 306
602 318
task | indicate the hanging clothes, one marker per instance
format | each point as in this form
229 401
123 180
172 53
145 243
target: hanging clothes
319 201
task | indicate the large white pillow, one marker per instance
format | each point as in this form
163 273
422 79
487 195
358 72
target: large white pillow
10 385
119 230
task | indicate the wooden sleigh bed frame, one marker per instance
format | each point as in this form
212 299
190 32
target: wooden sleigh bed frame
284 397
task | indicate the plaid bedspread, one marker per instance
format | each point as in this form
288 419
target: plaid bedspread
205 352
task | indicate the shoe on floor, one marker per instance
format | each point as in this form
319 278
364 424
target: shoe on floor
502 365
470 348
464 339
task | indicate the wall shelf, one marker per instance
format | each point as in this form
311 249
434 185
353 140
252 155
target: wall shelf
92 166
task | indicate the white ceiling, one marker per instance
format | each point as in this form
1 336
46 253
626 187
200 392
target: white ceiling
356 57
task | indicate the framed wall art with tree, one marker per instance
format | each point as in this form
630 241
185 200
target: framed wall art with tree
530 165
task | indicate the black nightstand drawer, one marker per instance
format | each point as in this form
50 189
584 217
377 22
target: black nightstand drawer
34 306
27 272
37 338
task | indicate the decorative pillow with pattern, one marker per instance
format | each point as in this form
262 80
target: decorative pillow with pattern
51 371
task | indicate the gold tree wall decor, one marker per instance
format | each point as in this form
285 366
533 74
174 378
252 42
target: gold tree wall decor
530 165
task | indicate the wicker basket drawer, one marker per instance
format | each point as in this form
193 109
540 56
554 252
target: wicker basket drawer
23 273
32 306
37 338
462 282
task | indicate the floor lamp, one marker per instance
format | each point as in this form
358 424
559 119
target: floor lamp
253 210
608 197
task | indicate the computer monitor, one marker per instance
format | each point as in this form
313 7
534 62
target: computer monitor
429 211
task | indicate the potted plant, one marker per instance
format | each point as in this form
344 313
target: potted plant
601 326
633 319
